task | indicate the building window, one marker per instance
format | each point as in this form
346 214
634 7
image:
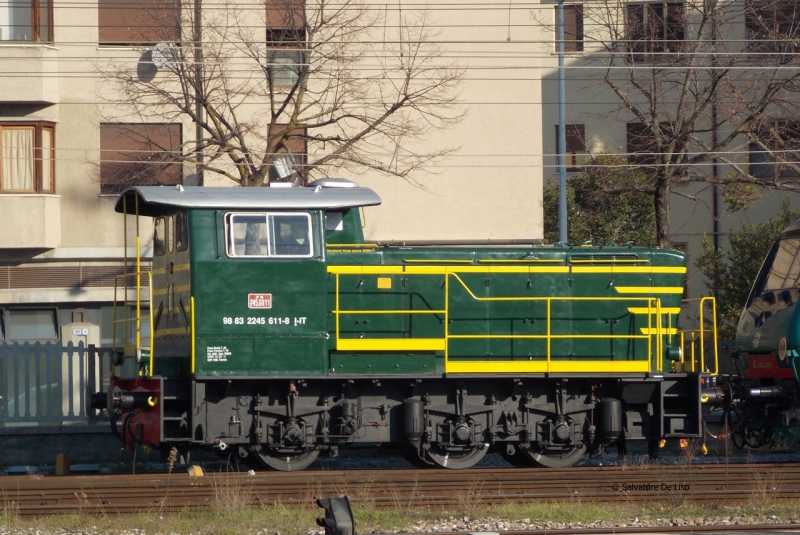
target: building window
641 147
576 144
573 28
138 22
655 28
772 26
256 235
283 66
139 154
291 157
26 20
782 137
285 25
31 324
27 151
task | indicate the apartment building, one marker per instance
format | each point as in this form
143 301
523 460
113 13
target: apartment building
70 143
647 48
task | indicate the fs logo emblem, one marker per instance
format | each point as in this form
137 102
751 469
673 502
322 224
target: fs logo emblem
259 300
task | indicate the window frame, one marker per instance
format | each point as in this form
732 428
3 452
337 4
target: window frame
230 240
576 44
642 46
575 133
9 331
760 19
160 250
140 141
38 160
36 23
182 231
777 168
152 32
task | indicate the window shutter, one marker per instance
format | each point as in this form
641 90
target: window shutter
285 14
139 155
126 22
576 140
573 28
641 145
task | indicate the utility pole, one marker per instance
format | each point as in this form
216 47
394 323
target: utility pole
199 109
562 134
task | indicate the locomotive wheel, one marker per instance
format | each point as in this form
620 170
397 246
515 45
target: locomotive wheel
286 461
554 457
456 459
517 459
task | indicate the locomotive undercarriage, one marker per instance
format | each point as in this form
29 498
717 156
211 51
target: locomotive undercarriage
451 423
766 415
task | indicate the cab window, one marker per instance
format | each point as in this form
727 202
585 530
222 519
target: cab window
181 231
269 235
159 235
783 273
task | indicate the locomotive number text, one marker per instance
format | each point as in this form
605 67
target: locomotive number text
264 321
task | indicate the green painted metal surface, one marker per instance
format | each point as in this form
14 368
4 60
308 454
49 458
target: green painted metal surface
258 317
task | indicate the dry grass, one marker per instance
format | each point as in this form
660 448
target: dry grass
233 493
299 520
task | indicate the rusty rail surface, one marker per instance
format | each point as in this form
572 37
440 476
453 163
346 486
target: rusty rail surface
120 494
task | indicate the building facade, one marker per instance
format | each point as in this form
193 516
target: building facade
628 63
70 144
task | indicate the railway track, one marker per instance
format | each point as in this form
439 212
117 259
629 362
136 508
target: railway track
755 529
121 494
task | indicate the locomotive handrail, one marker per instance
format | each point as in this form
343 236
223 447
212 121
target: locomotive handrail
549 336
654 333
700 334
137 346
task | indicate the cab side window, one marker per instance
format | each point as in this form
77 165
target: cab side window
269 235
291 235
181 231
159 236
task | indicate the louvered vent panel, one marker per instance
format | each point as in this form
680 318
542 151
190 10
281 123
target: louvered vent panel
12 278
45 277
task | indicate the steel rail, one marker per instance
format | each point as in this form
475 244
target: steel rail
708 529
103 494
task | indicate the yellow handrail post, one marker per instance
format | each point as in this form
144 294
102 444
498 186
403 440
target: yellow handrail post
446 319
138 282
191 301
549 334
152 332
336 311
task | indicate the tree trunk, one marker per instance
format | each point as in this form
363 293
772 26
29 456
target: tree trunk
661 200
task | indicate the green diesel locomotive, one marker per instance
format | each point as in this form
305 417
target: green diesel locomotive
278 333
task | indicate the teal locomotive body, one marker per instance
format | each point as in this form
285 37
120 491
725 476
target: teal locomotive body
764 390
279 333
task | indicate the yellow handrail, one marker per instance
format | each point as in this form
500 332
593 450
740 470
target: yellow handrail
653 333
137 318
700 334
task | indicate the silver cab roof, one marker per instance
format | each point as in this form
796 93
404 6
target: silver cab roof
157 200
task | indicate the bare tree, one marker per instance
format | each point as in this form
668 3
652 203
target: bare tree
330 85
700 82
